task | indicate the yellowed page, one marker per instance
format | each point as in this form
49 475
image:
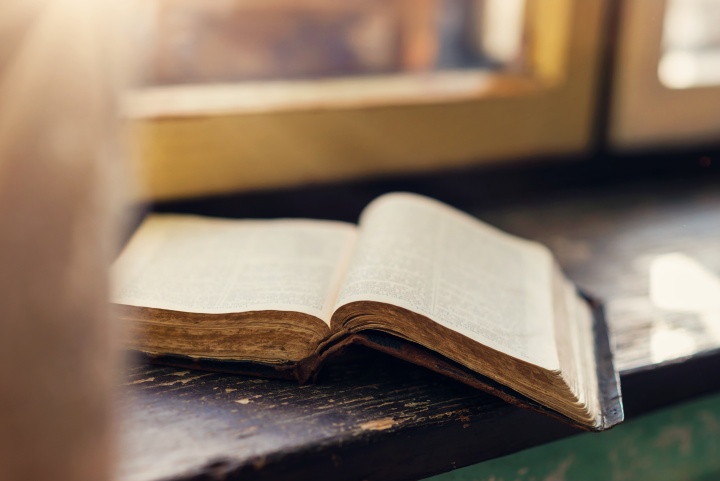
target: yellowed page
584 357
424 256
214 266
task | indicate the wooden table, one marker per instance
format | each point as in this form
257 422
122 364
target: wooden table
373 417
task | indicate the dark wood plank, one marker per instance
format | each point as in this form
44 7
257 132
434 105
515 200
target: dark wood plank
372 417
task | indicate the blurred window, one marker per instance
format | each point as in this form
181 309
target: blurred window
227 41
250 94
691 44
666 85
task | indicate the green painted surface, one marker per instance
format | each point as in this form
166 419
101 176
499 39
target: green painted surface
678 443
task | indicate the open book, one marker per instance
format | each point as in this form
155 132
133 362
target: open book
416 279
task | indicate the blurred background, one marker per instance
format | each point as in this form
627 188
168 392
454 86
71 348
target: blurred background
247 94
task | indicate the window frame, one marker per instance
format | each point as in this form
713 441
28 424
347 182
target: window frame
190 143
644 113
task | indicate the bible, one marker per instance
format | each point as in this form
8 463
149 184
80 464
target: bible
414 278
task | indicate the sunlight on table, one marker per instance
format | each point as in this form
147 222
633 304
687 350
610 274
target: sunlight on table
680 283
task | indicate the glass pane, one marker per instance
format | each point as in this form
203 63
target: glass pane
200 41
691 44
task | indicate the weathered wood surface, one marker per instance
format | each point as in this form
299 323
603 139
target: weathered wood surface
371 417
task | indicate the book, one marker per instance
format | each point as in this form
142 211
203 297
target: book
414 278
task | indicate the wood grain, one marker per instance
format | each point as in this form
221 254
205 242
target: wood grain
373 408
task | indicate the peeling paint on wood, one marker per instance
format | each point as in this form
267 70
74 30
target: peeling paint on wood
378 424
140 381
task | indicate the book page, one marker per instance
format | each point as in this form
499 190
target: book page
427 257
214 266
